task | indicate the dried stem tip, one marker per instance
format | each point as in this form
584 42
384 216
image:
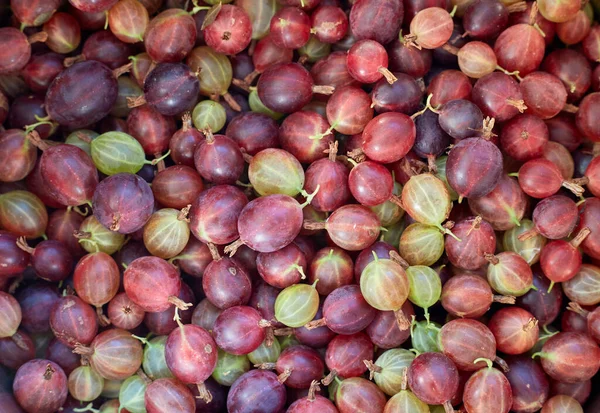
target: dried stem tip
49 371
492 259
314 225
504 299
401 320
576 308
312 391
323 89
179 303
22 244
315 324
332 151
580 237
373 368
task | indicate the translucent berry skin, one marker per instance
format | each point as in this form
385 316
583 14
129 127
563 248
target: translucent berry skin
492 94
433 377
268 395
370 183
346 311
169 395
543 305
332 176
125 199
16 50
388 137
191 354
475 287
319 404
544 94
93 6
269 223
465 340
18 155
570 357
171 88
13 260
584 117
236 321
290 28
215 212
285 88
478 398
349 109
97 289
353 227
388 14
34 13
69 173
384 331
40 386
170 36
555 217
515 329
82 94
432 27
231 31
476 241
304 363
560 261
364 59
219 161
524 137
321 20
515 42
359 394
345 354
474 167
150 281
66 317
226 283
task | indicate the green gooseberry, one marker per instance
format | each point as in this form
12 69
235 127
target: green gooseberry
297 305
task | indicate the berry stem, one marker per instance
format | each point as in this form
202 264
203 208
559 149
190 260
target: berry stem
22 244
499 361
504 299
315 324
203 393
450 48
38 37
323 89
314 388
569 108
332 151
580 237
486 361
88 408
492 259
326 381
103 320
389 76
401 320
233 247
528 235
232 102
576 308
574 185
314 225
179 303
134 102
373 368
122 70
